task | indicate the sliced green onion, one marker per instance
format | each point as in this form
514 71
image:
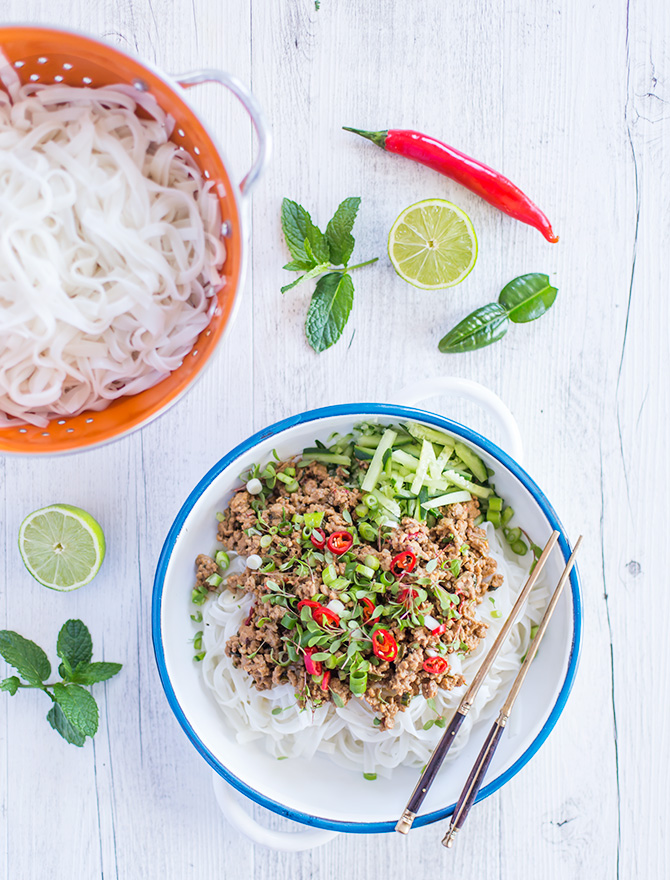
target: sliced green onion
198 657
506 515
495 503
222 559
199 595
266 540
358 682
512 535
365 571
197 617
197 641
387 578
493 516
496 614
220 517
329 575
520 548
367 532
371 502
371 562
314 520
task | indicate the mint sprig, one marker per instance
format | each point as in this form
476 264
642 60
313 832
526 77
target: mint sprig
74 713
317 253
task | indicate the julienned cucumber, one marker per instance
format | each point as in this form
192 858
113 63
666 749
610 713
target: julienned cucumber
377 462
412 470
474 462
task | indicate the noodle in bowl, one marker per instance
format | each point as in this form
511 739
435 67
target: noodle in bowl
232 724
348 735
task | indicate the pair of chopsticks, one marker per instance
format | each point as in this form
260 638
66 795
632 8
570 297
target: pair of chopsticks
476 778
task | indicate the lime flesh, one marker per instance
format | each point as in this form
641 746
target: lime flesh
61 546
433 245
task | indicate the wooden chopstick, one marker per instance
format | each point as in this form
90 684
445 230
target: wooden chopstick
430 771
478 772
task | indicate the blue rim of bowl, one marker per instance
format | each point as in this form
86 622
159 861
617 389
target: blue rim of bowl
363 409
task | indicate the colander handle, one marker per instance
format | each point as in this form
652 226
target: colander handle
252 107
286 841
410 395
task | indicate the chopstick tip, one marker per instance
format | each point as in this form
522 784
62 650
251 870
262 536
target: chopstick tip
448 839
405 822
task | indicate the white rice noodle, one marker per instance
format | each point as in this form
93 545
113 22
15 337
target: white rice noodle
348 734
109 248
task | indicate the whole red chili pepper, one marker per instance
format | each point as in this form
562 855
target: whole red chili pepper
340 542
435 665
492 186
403 562
384 645
318 538
313 667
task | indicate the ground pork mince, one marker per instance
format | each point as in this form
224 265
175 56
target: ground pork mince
377 622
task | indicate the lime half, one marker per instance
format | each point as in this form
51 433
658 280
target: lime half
433 244
62 546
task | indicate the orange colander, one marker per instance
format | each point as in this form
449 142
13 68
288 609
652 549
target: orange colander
61 56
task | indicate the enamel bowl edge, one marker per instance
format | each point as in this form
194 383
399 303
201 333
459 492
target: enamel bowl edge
295 788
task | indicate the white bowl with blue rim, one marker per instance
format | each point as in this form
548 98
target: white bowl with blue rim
294 787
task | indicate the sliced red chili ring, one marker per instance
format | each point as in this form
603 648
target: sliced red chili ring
320 612
340 542
313 667
318 538
403 563
368 608
442 628
325 680
435 665
407 595
326 615
384 645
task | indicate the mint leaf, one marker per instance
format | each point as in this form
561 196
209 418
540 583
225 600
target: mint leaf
59 722
527 297
10 684
317 270
74 644
94 672
78 706
329 310
297 266
25 656
338 232
298 227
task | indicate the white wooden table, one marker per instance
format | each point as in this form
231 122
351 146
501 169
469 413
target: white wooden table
570 99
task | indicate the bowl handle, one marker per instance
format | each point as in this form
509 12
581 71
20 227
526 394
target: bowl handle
286 841
412 394
252 107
